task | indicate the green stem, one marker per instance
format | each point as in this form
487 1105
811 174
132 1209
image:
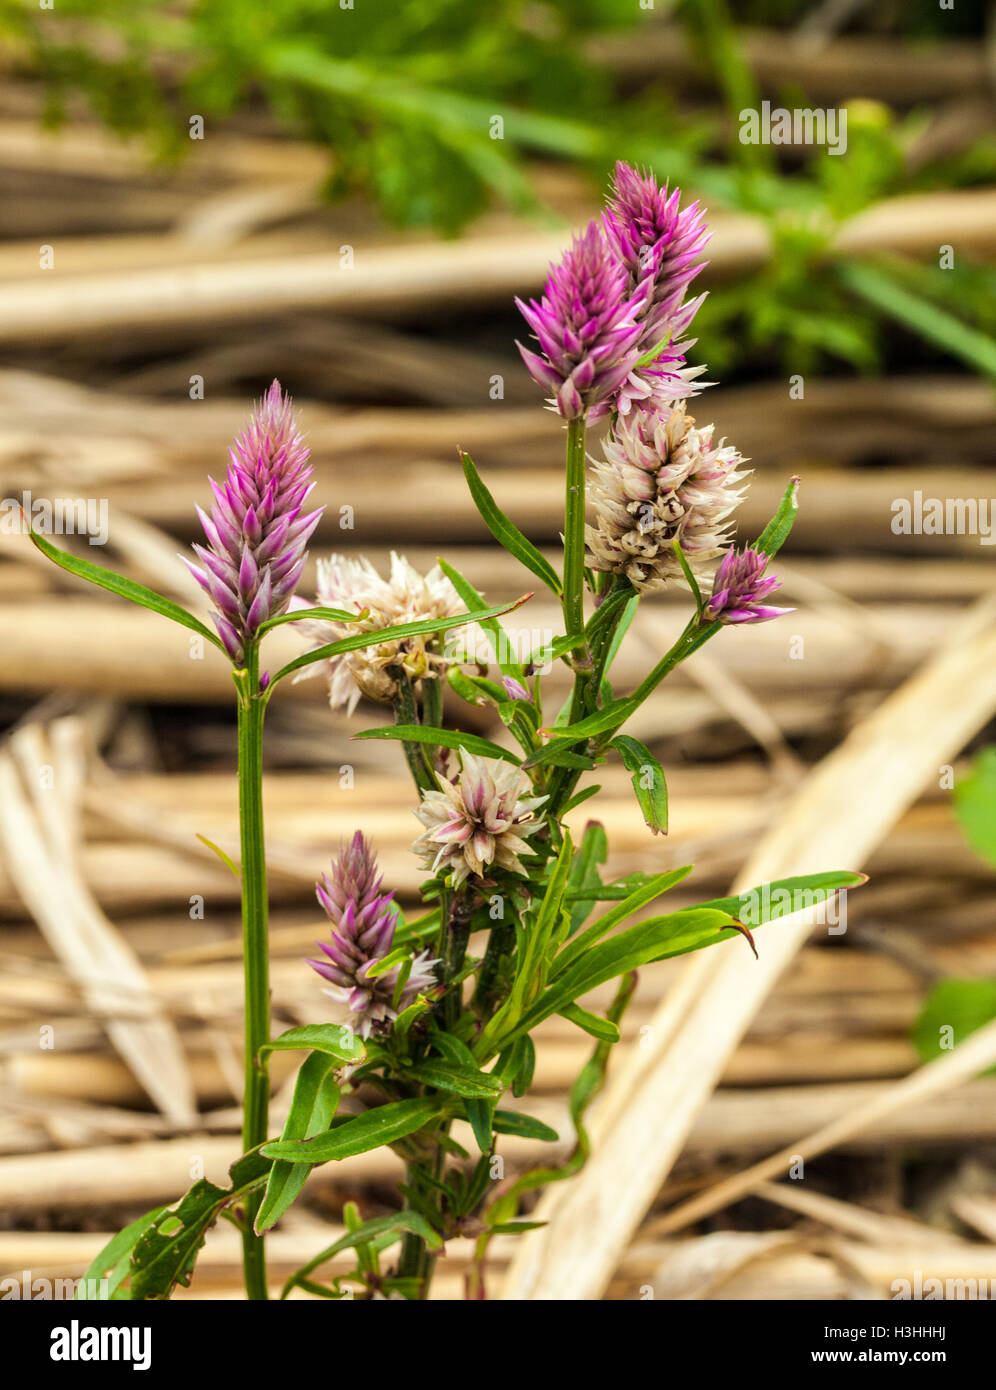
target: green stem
490 985
406 712
411 1262
573 602
432 701
455 953
587 685
574 508
696 633
416 1261
255 950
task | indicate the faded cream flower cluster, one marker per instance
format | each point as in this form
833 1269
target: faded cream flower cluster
479 819
662 479
353 585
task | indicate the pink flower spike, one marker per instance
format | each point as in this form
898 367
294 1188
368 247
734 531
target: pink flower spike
586 325
660 246
256 531
738 588
363 922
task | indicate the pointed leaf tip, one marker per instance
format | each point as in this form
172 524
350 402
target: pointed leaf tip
745 931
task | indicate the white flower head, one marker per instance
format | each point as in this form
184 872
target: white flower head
404 597
662 479
479 820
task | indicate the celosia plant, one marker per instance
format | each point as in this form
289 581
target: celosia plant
428 1022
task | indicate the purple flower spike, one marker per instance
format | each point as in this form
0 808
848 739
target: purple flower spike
586 326
655 239
659 244
738 588
258 531
363 922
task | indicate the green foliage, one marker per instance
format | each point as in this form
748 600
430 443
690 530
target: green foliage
164 1252
313 1106
523 1126
358 640
505 533
531 943
433 108
446 738
952 1010
648 780
124 588
333 1039
975 805
405 97
776 533
107 1274
368 1237
445 1058
386 1124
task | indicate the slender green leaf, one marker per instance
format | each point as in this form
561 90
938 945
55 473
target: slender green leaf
591 1023
486 620
505 532
315 1101
629 613
560 753
385 963
124 588
472 689
637 897
536 941
164 1254
550 652
585 875
775 534
782 896
369 1234
934 323
690 579
648 780
448 738
460 1081
107 1271
334 1039
315 615
524 1126
581 797
525 1065
626 951
608 717
372 1130
479 1113
423 628
404 1020
226 859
